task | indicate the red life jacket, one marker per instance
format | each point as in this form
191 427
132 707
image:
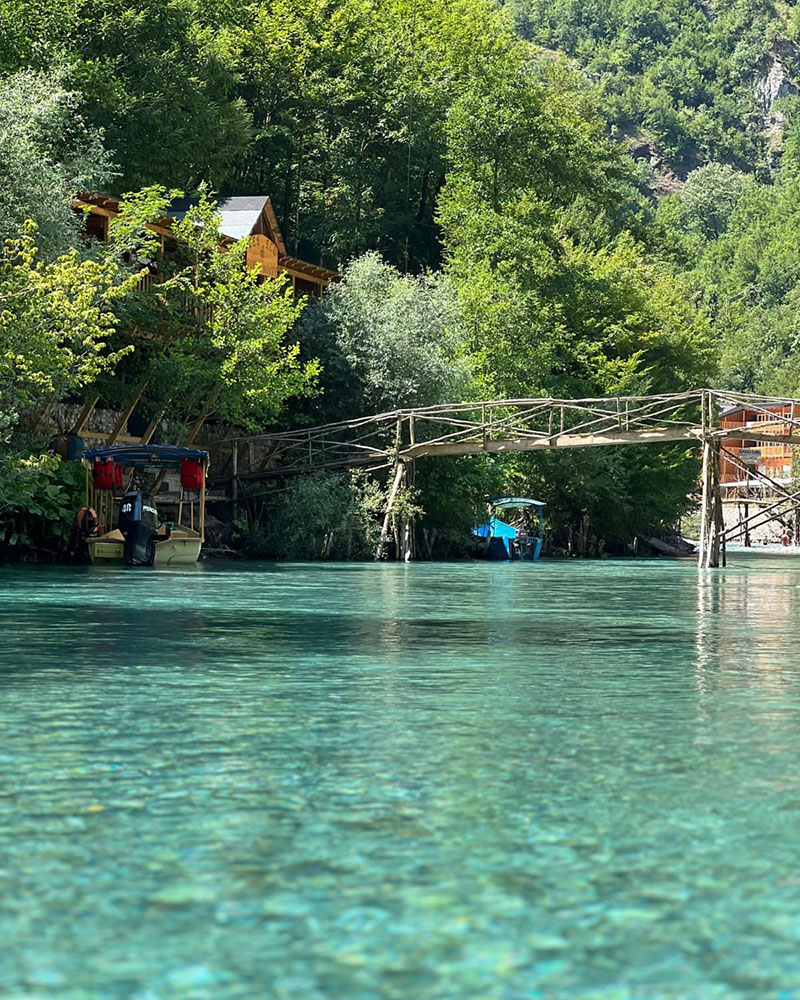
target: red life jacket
104 474
191 473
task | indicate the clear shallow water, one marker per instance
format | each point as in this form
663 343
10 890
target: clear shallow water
373 782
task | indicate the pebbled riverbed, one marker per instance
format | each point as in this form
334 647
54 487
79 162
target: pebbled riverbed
380 782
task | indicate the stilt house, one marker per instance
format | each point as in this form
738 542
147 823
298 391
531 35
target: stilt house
773 460
251 217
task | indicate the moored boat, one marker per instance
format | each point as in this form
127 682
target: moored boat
120 522
509 541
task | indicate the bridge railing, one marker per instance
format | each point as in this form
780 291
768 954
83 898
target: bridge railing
495 426
379 440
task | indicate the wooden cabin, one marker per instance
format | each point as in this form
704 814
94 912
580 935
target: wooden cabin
252 217
773 460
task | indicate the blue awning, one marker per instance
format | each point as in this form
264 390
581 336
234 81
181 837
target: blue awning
140 455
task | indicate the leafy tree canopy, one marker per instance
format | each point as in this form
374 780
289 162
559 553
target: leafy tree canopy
386 340
56 318
47 154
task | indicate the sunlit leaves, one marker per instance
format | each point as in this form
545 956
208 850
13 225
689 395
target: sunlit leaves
55 321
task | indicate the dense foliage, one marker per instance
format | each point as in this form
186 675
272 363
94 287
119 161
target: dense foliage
477 189
680 74
386 340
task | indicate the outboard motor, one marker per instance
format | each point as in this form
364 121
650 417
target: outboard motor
138 522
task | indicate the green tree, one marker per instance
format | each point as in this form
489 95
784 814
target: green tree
47 154
560 299
749 280
210 337
386 340
709 196
680 75
56 318
326 515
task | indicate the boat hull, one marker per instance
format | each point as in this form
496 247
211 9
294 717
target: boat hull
175 551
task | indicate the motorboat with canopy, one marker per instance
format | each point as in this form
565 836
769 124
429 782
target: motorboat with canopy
505 541
120 522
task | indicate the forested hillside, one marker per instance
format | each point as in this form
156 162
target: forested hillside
693 80
564 199
706 94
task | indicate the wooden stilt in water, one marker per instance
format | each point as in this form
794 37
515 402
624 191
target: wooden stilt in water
408 545
703 540
712 525
400 471
235 477
410 527
717 514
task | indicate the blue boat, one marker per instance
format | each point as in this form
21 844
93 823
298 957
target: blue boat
506 542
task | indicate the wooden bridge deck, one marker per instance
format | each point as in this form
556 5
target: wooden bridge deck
498 426
398 438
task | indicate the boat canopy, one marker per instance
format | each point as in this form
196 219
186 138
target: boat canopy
141 455
502 502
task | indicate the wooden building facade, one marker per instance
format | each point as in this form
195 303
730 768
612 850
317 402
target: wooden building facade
252 218
773 460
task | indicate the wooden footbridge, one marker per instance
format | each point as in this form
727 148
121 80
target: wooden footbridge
398 438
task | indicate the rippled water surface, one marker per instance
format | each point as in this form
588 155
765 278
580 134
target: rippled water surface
368 782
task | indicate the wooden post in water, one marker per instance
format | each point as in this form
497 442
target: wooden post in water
400 471
717 514
703 541
408 547
409 526
712 524
235 477
712 548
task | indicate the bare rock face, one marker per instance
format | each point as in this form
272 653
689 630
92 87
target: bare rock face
773 85
640 149
665 180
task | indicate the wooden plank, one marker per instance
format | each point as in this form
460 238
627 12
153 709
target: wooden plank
195 430
689 434
736 529
152 427
39 427
85 413
95 435
753 434
123 419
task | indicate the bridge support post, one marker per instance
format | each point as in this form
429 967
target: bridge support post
712 527
407 528
719 519
399 476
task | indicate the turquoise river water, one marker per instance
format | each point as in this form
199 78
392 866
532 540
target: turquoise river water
380 782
